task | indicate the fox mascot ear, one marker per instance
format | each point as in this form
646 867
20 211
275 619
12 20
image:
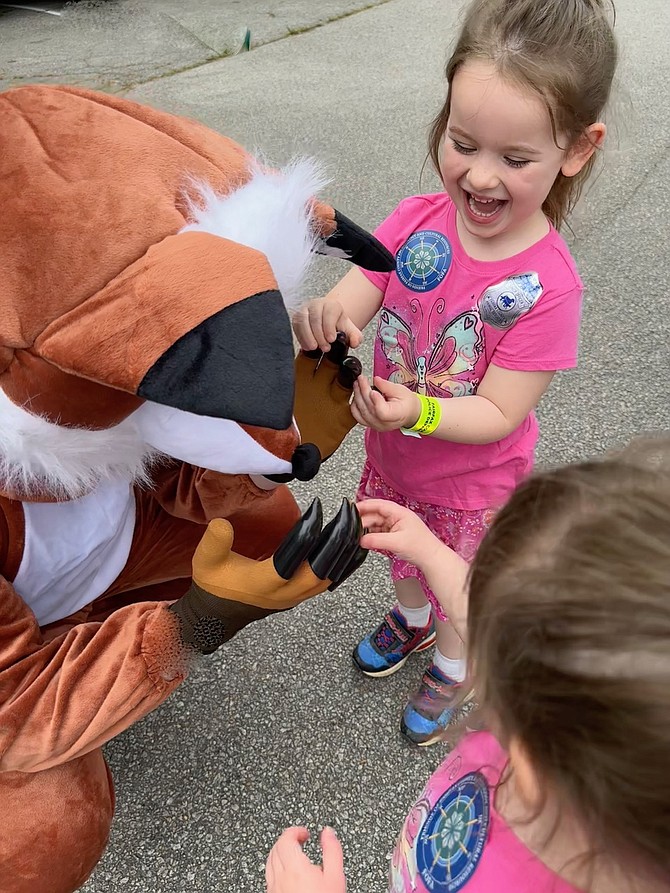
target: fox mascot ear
341 237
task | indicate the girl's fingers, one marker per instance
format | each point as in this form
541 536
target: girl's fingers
360 410
333 858
378 542
382 510
353 333
382 410
333 320
298 833
362 388
315 315
375 523
289 845
374 403
303 331
357 414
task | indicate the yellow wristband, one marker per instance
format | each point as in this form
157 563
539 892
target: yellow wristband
429 417
423 414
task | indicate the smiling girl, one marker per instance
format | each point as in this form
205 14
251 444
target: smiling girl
484 305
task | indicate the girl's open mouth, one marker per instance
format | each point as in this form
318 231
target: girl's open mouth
482 209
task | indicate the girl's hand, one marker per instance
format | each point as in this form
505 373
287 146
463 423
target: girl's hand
396 529
288 870
317 323
390 407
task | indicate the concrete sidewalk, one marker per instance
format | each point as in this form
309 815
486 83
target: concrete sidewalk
277 727
114 44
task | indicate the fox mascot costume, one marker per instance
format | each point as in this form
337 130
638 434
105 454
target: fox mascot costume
147 400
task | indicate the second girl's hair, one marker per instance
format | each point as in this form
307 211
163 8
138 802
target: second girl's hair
569 635
564 51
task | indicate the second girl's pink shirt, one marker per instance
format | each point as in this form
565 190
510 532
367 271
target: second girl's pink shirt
454 839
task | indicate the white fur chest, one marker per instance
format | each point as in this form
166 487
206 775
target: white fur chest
74 550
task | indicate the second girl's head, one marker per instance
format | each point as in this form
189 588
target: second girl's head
569 635
515 140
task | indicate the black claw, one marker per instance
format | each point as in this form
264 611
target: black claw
334 540
338 349
344 565
313 354
355 561
299 542
350 369
338 569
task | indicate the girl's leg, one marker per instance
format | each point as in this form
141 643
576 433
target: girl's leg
430 710
412 602
449 651
408 626
410 594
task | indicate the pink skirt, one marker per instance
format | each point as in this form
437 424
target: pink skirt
459 529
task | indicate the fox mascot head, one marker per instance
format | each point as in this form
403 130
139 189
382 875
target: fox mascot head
148 264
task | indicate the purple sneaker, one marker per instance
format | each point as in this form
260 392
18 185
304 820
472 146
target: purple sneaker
385 649
429 711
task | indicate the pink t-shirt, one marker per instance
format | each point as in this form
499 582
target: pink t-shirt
453 839
444 318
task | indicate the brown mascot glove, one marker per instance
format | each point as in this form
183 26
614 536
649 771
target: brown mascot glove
323 387
230 591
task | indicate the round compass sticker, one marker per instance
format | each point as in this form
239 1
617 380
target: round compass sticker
423 261
452 838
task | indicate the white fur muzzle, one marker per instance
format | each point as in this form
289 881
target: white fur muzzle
37 456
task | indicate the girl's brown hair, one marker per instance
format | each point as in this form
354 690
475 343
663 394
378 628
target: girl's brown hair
562 50
569 636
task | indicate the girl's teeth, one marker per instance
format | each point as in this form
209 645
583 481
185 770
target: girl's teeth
474 201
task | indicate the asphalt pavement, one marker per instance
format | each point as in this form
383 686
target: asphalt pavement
277 727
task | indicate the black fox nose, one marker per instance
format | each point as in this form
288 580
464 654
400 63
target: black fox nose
237 365
306 461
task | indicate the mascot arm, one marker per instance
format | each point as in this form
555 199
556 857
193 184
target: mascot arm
229 591
199 495
261 518
63 698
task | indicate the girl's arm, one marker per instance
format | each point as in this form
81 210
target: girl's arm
347 308
503 400
395 529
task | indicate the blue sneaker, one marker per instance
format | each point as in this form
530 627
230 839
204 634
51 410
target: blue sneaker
429 711
385 649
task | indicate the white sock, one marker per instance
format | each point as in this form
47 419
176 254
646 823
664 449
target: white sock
415 616
454 669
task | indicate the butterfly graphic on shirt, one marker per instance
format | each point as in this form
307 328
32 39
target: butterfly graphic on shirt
454 351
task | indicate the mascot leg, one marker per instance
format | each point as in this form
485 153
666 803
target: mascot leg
60 821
